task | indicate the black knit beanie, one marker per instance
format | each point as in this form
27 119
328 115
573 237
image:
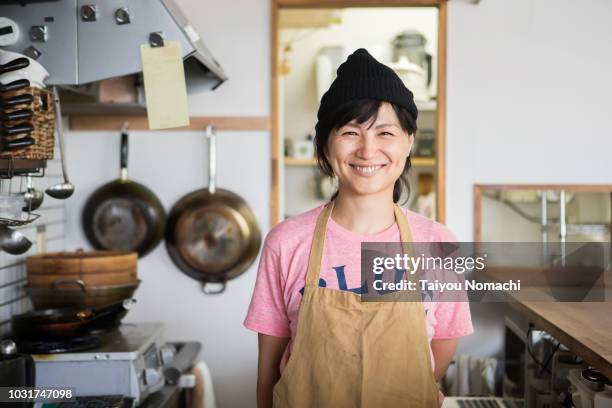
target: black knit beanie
362 77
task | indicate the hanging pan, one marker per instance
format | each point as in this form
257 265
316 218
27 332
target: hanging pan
124 215
212 234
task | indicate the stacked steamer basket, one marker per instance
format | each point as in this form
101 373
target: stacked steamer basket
81 279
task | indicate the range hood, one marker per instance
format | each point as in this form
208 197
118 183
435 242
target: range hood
82 41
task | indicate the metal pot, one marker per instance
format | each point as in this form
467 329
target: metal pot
123 214
212 234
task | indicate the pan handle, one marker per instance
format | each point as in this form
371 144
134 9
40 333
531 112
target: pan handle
123 158
211 132
218 291
79 282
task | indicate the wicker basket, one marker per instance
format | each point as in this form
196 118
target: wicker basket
43 122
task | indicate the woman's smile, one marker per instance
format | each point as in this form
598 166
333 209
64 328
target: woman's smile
369 157
367 170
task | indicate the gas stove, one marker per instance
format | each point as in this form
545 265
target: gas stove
128 360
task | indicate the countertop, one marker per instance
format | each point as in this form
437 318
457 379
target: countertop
586 328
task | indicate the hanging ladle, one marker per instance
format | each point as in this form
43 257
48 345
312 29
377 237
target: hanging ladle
32 197
63 190
13 242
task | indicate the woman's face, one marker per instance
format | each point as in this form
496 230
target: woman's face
369 157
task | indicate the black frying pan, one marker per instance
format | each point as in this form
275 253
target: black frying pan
65 322
124 215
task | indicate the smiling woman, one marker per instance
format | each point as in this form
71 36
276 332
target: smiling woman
365 138
319 345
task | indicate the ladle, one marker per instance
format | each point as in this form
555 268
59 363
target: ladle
61 191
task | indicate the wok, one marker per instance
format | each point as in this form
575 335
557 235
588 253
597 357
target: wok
65 322
212 234
124 215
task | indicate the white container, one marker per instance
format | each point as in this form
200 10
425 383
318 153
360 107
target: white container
603 399
35 73
583 396
413 76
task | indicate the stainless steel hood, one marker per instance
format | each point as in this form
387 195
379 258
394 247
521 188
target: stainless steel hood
81 41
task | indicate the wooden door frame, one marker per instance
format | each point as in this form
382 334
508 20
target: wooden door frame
276 154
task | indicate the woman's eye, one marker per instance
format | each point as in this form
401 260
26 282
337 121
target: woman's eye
349 133
386 134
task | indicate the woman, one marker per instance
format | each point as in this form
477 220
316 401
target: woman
332 349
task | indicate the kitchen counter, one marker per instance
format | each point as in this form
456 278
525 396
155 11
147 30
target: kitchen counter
585 328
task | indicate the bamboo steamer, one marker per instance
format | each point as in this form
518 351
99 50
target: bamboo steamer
93 268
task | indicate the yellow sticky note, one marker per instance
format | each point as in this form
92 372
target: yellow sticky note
164 83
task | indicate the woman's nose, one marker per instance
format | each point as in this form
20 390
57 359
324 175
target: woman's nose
367 146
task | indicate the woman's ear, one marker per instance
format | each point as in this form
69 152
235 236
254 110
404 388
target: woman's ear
410 143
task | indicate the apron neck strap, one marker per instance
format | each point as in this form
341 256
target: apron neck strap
316 250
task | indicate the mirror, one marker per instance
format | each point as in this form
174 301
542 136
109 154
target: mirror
542 213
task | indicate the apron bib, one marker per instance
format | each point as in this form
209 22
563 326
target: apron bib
349 353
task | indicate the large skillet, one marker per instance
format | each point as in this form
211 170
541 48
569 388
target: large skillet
124 215
212 234
68 322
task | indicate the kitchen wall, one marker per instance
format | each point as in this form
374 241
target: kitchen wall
173 164
528 89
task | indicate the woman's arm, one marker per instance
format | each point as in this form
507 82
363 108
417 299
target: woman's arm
443 351
271 351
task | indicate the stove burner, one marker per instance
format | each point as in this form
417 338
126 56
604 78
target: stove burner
58 346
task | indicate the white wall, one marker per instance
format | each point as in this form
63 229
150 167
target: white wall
528 102
528 96
173 164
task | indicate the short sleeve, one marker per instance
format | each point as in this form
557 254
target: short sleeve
267 312
453 319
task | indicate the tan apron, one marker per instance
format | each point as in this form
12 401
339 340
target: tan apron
349 353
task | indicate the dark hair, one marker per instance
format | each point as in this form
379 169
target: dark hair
360 110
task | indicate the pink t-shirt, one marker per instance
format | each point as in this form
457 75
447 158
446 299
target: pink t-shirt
284 260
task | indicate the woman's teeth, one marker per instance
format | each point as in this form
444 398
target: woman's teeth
366 170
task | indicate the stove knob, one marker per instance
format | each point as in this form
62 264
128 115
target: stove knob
151 376
167 354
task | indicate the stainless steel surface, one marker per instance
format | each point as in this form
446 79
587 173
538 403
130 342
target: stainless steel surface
156 39
32 52
32 197
122 16
39 33
12 241
127 362
89 12
8 347
81 34
59 54
63 190
211 132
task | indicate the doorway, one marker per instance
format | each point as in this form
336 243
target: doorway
309 40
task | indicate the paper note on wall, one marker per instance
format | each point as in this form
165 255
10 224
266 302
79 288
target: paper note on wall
164 83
